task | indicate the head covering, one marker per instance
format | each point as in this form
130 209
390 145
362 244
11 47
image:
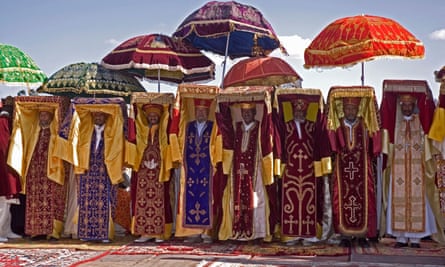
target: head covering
354 101
204 103
247 105
300 104
41 108
153 108
407 98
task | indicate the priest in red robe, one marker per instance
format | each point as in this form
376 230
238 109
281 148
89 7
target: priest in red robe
37 122
246 127
355 140
150 157
306 162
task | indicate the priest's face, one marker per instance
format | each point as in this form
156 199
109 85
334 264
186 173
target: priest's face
248 115
299 114
407 108
350 112
201 113
45 118
152 118
99 118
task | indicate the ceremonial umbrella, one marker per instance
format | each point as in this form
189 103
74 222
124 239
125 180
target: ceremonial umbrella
267 71
18 69
351 40
230 29
161 58
90 80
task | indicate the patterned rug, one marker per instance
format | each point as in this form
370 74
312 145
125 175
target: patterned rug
230 249
385 247
46 257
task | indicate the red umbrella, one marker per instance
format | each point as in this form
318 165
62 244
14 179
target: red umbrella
351 40
268 71
229 29
161 58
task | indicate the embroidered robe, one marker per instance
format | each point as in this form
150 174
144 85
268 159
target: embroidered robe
198 198
150 197
45 199
96 197
354 204
301 191
249 207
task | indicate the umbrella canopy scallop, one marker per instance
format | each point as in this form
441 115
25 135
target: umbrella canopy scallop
229 28
267 71
18 69
355 39
160 57
90 80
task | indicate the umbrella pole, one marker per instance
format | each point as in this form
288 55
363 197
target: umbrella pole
225 60
363 74
159 80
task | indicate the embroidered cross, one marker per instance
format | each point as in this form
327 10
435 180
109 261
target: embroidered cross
190 138
308 222
300 158
351 170
198 155
291 222
197 211
150 192
352 206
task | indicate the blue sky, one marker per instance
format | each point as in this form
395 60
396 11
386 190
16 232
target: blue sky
58 33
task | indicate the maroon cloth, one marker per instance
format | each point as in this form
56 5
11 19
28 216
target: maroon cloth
354 203
150 199
244 173
389 107
9 179
39 189
300 199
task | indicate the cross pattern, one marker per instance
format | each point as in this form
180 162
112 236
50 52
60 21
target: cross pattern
291 222
197 211
351 170
353 206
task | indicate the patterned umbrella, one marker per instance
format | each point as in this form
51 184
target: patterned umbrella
351 40
18 69
230 29
90 80
161 58
267 71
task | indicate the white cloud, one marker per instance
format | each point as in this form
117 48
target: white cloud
438 35
112 42
295 46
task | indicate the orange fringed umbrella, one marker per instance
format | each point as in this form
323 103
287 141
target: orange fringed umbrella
267 71
351 40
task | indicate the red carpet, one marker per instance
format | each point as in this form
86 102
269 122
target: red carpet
230 249
45 257
385 248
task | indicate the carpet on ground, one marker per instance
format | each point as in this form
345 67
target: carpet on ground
68 243
385 247
206 263
46 257
229 249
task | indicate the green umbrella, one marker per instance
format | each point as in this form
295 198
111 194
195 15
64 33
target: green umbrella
90 80
18 69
